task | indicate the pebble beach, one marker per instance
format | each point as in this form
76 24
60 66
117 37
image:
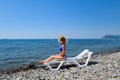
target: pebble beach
100 67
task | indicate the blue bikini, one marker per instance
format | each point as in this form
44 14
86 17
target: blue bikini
60 49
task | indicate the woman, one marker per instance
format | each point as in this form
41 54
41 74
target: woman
61 55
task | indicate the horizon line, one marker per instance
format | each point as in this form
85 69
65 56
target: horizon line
45 38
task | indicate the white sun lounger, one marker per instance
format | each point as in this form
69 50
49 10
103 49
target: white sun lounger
86 54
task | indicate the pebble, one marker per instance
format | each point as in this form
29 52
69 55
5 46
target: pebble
19 78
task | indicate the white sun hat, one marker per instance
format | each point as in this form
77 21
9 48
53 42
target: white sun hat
61 36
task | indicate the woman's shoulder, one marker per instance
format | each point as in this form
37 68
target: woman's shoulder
63 45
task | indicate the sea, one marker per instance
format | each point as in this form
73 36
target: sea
19 52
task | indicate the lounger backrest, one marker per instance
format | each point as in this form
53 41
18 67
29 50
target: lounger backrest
82 54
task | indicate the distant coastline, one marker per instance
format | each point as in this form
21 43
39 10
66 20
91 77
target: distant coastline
111 37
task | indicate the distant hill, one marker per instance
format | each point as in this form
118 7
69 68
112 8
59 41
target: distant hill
111 37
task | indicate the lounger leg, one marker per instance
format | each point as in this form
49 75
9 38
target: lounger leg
78 64
50 67
60 65
87 60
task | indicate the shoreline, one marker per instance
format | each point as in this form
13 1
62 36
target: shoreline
34 66
100 67
28 65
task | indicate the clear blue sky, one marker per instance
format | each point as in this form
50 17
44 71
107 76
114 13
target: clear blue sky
50 18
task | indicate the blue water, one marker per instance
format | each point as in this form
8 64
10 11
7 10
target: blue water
19 52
